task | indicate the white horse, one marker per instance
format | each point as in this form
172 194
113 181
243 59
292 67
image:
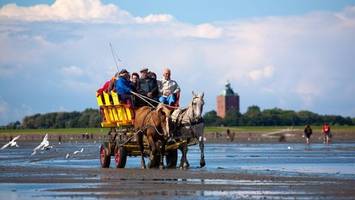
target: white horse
188 125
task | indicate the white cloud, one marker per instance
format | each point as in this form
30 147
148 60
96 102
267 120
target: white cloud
72 71
205 31
347 16
77 11
261 73
272 61
154 18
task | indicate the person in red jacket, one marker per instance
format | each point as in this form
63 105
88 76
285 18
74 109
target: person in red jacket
108 86
326 133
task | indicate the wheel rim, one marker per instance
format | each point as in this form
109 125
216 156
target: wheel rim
118 157
102 155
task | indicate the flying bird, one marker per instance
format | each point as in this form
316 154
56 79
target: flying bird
44 145
76 152
11 143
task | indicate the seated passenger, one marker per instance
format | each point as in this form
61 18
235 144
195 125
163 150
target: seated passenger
124 87
169 89
135 81
147 87
108 86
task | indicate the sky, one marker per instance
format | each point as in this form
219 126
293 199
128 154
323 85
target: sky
288 54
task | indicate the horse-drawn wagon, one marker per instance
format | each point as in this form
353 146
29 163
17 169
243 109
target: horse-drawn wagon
186 127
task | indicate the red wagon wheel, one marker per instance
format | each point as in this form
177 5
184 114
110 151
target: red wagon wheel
105 156
120 156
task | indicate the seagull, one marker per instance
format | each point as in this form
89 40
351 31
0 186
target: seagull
76 152
202 139
67 156
43 146
11 143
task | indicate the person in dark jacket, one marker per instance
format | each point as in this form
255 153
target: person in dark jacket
148 86
153 84
307 133
124 87
135 81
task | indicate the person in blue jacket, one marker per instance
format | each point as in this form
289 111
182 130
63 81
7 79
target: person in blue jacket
124 87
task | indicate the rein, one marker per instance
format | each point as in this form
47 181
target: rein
145 99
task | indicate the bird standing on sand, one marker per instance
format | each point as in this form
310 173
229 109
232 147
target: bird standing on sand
44 145
11 143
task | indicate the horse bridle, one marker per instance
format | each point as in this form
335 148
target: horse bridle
194 119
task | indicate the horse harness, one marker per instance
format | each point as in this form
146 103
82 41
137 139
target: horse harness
150 126
180 122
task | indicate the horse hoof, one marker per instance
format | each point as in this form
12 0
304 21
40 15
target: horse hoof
202 164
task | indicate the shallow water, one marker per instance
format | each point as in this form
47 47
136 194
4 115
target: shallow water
277 159
336 160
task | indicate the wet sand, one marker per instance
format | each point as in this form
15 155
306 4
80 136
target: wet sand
169 184
242 171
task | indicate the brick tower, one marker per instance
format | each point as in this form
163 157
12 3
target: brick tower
227 100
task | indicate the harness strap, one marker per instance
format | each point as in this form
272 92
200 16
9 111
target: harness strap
147 126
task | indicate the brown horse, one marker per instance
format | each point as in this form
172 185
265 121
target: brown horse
153 123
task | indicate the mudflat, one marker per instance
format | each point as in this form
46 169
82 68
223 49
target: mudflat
243 171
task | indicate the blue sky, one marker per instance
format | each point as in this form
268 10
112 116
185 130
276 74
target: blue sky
289 54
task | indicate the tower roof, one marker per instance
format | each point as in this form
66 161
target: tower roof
228 91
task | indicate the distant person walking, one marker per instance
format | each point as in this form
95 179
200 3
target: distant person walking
307 133
326 133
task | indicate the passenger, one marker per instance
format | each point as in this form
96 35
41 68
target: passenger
154 84
326 133
169 89
148 86
112 87
124 87
307 133
152 75
135 80
108 86
135 83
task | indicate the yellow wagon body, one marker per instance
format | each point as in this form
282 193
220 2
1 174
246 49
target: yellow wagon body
113 112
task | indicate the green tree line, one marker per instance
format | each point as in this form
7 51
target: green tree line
90 118
273 117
